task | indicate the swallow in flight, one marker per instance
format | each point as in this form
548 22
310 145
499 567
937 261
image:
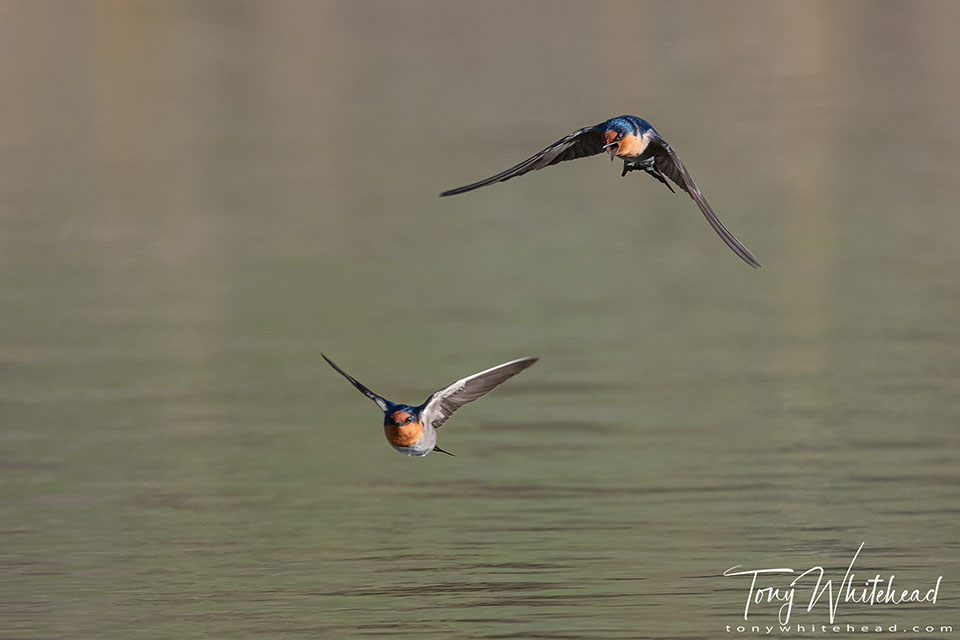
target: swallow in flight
412 430
641 148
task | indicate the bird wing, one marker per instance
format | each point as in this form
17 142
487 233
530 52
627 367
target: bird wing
380 400
444 402
579 144
666 160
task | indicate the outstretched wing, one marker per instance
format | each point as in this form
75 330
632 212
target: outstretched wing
380 400
579 144
666 160
443 403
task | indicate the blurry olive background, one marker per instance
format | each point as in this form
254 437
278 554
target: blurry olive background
197 198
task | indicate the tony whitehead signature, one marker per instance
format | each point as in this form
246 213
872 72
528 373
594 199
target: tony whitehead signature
875 591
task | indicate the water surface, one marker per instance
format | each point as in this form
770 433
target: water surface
196 199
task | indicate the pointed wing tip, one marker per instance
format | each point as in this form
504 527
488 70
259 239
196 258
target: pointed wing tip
735 245
745 255
379 400
336 367
332 364
522 364
525 362
459 190
750 260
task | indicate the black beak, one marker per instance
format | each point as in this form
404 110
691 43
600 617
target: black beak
611 148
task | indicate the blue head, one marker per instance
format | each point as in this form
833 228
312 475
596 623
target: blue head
402 426
623 135
397 415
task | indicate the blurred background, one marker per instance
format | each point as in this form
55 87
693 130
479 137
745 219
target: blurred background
196 198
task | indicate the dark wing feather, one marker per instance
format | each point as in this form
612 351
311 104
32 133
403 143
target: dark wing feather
380 400
666 160
443 403
579 144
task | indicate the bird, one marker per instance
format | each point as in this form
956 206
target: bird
412 430
640 147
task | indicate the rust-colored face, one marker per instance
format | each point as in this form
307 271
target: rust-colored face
610 137
399 417
631 146
404 435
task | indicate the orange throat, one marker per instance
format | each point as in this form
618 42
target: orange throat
404 435
631 146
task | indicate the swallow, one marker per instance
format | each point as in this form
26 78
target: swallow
641 148
412 430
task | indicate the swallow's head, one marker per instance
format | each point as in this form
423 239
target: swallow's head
402 426
626 136
399 416
613 135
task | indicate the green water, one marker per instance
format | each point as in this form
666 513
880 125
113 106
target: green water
196 199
